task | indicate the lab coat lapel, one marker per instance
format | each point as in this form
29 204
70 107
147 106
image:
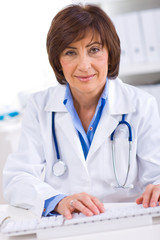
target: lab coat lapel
104 130
65 123
118 103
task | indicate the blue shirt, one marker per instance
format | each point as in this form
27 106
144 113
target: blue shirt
85 138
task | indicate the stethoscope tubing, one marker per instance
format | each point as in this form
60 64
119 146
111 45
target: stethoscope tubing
129 154
54 136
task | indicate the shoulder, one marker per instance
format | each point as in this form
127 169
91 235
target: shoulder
42 98
132 92
123 97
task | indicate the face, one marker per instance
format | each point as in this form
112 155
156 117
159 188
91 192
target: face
85 65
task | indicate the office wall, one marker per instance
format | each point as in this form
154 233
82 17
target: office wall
23 58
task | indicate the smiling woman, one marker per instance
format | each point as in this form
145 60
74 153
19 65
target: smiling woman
68 129
85 65
70 26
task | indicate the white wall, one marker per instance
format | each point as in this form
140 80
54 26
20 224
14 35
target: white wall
24 64
23 58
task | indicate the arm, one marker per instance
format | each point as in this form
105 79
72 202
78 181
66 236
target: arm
50 205
22 182
149 155
23 185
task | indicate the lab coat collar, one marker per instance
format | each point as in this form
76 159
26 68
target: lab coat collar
55 99
118 102
119 99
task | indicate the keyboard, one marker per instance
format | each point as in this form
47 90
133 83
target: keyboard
57 226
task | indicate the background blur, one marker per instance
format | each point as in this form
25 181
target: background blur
24 66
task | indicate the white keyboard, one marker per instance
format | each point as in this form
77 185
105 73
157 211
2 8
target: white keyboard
57 226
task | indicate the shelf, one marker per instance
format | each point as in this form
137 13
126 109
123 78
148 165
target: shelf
114 7
137 74
140 68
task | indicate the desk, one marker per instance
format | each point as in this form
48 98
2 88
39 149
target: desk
146 232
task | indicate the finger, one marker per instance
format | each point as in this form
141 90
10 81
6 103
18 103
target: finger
82 208
67 214
99 205
86 200
155 197
139 200
147 196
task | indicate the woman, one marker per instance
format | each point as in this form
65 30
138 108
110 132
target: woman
75 122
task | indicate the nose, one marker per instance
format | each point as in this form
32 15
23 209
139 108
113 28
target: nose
84 63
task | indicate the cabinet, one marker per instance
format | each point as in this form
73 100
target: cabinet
133 73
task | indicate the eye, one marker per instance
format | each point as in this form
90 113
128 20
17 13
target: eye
94 49
70 53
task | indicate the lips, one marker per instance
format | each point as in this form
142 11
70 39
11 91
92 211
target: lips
85 78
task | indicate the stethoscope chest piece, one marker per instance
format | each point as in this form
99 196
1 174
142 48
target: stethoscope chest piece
59 168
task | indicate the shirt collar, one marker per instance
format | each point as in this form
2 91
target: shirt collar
68 96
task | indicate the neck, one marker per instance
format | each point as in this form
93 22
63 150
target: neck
87 101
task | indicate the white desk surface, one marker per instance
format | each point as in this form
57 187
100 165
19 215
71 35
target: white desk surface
146 232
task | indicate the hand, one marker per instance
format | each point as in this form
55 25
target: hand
150 197
81 202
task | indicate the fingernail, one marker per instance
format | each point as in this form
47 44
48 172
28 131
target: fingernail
90 213
69 217
96 211
145 205
153 204
102 209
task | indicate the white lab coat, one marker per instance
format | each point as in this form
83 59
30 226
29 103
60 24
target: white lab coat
23 185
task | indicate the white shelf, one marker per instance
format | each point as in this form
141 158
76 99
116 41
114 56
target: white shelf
140 68
138 74
114 7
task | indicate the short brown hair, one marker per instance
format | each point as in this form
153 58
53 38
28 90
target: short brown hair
71 24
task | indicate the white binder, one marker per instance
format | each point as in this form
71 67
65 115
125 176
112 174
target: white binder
150 35
133 28
122 33
156 15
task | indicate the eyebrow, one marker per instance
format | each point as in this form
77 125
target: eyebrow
90 44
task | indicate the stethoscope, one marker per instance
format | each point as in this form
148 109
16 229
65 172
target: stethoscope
59 168
124 185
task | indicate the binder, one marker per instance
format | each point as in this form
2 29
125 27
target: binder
119 22
132 24
149 26
156 15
